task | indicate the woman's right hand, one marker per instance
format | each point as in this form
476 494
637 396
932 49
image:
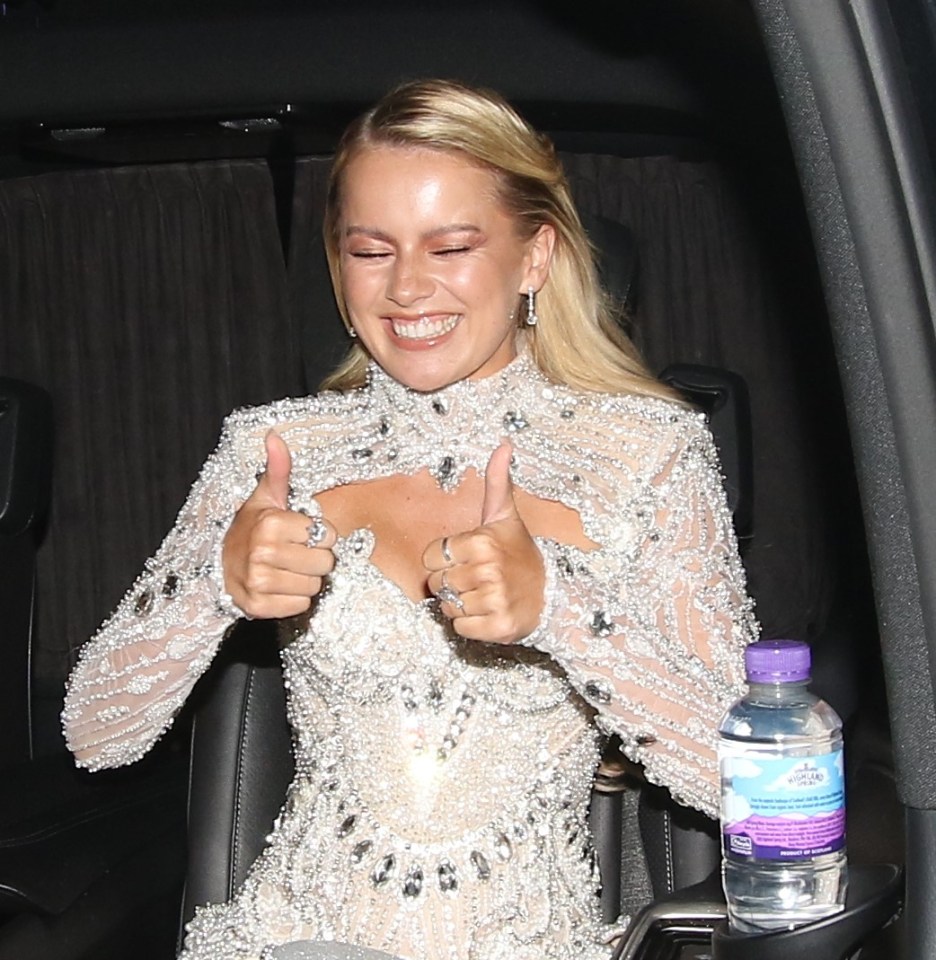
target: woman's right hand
271 569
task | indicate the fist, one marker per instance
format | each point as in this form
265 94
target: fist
274 558
491 579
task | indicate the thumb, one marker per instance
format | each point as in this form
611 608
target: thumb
275 480
498 487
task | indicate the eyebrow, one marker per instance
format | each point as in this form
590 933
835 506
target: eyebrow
376 234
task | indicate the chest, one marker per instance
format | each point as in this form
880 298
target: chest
407 513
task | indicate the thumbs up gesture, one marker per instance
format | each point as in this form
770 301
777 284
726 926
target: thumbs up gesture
490 579
274 558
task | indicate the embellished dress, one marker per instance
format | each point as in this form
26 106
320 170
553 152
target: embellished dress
438 810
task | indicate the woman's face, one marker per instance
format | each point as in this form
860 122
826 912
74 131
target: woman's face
432 266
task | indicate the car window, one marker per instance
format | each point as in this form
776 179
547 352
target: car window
915 21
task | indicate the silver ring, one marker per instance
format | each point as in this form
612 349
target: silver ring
446 552
448 594
317 532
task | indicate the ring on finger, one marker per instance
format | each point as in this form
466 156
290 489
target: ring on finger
447 552
448 594
317 532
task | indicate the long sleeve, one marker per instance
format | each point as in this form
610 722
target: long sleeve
136 672
651 627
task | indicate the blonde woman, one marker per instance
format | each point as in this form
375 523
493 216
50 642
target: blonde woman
496 538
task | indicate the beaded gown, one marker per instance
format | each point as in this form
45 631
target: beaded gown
438 810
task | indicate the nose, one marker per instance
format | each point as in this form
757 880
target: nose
409 281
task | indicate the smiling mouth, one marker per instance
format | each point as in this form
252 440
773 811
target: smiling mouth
425 328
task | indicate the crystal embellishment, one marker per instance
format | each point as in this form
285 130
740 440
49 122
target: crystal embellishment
480 862
413 882
448 877
144 603
514 422
597 692
384 870
360 851
601 624
445 471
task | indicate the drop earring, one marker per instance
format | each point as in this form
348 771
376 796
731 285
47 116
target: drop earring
531 318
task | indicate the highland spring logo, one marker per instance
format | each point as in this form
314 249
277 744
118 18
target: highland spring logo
807 777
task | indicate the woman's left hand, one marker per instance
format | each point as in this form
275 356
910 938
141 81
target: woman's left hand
491 579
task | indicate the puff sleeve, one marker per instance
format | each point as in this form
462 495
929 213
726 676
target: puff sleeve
651 627
134 674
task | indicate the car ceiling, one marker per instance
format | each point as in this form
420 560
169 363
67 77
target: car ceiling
633 77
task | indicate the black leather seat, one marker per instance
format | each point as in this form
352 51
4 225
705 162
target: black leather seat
82 856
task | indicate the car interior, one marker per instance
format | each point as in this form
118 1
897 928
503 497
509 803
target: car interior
757 178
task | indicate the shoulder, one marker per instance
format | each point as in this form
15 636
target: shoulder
644 431
305 423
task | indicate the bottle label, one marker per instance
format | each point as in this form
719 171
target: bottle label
782 809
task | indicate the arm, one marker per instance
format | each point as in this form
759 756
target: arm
136 672
651 629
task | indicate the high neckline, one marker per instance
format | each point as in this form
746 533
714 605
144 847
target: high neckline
485 390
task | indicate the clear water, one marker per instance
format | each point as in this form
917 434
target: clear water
773 721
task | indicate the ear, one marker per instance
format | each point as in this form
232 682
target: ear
538 258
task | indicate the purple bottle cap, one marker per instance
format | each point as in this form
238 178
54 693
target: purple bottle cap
777 661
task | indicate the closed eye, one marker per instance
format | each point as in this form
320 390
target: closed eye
369 254
451 251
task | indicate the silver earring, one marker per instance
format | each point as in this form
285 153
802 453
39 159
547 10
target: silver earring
531 318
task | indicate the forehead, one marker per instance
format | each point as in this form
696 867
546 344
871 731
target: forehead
418 177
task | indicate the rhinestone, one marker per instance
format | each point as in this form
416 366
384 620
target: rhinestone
413 882
515 421
576 478
347 826
445 469
503 847
361 454
440 407
448 878
434 696
384 870
360 851
384 427
392 455
597 692
170 586
144 603
567 414
520 832
479 862
602 625
565 566
643 739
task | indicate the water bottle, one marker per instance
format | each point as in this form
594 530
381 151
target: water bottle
783 796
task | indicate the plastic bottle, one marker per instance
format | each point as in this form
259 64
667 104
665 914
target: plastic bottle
783 796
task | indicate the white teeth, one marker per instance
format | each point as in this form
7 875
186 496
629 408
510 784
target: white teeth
424 329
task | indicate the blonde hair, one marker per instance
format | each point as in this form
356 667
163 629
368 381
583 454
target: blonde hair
577 341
